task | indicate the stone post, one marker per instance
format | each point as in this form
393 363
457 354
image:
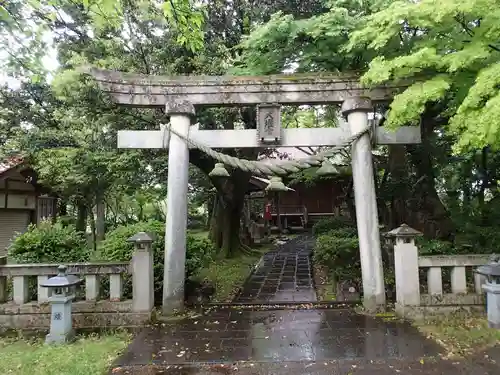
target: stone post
142 273
176 218
356 111
406 267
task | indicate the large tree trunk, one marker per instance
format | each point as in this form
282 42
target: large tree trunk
101 218
430 215
211 211
225 223
225 220
81 217
225 230
93 228
398 169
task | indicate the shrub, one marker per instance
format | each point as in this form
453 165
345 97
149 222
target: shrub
434 247
200 251
331 223
339 251
115 247
49 243
346 232
478 239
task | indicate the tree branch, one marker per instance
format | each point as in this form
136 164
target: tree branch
470 32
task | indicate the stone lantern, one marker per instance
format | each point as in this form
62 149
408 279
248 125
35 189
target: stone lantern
62 290
492 289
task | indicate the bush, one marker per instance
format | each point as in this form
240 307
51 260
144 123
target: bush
338 250
343 232
478 239
115 247
49 243
434 247
331 223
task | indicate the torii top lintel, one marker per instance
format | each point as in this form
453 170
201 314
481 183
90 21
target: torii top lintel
156 91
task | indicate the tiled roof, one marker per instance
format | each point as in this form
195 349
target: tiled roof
10 162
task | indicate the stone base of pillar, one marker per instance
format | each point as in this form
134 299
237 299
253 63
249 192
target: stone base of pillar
172 306
52 338
493 325
374 304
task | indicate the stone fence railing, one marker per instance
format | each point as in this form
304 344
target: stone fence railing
436 283
100 302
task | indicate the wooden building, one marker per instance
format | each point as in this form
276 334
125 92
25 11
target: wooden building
22 200
302 205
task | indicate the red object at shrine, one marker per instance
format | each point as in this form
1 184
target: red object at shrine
267 212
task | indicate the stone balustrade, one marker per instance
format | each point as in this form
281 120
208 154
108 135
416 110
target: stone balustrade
436 283
92 273
100 302
459 267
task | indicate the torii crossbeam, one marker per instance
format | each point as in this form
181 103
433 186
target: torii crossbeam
247 138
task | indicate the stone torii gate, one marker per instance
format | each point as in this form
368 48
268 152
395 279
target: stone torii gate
179 96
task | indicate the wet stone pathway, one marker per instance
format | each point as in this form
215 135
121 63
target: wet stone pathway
255 336
283 275
232 335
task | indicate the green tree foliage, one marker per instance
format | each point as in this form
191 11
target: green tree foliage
185 16
315 43
448 51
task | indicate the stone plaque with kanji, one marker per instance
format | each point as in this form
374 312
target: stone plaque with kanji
269 123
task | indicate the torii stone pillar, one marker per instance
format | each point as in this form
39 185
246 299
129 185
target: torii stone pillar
176 218
356 110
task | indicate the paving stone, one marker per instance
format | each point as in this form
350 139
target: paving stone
287 275
266 340
278 335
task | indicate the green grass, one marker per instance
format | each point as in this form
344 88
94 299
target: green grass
460 335
88 355
228 275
